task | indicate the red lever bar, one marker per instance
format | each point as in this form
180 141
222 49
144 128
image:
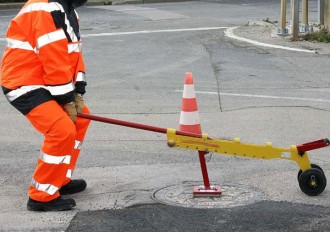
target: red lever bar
313 145
135 125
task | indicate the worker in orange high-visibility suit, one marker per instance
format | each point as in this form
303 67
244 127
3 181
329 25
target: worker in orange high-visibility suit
43 76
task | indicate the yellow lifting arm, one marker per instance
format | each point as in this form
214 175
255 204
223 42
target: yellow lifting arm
236 148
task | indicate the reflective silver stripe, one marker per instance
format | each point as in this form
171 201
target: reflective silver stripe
17 44
74 47
48 188
13 43
54 90
61 89
41 6
12 95
69 173
76 15
50 38
51 159
81 77
77 144
70 30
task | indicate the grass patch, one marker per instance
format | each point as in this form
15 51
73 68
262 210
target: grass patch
322 36
267 20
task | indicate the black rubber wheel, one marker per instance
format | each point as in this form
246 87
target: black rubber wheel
313 166
312 182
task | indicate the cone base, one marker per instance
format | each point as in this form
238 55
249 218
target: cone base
201 191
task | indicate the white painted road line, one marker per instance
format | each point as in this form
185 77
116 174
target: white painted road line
261 96
155 31
230 33
149 32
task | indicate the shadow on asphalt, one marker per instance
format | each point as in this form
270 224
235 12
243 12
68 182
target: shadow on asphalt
262 216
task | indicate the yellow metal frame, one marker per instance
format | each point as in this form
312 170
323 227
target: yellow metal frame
236 148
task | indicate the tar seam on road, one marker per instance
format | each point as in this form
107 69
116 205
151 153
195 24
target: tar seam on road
216 72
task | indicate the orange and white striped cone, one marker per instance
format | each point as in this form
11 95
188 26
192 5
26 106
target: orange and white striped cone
189 122
189 118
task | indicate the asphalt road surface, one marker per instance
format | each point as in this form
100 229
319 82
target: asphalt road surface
136 58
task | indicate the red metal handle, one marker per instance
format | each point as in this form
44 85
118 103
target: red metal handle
135 125
313 145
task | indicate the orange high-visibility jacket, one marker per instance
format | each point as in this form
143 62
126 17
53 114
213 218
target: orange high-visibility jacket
43 58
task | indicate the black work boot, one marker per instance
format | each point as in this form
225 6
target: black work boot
58 204
74 186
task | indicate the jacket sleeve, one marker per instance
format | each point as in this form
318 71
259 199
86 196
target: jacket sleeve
52 50
80 82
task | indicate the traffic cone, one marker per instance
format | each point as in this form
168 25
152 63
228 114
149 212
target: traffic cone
189 118
189 122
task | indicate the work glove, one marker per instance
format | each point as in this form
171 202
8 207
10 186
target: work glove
79 102
70 109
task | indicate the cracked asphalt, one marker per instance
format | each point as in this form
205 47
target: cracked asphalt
136 58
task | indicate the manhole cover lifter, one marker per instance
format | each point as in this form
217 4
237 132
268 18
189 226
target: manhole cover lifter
311 178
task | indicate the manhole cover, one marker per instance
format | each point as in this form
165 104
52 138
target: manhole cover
232 195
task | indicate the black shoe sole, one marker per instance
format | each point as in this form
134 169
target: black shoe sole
42 207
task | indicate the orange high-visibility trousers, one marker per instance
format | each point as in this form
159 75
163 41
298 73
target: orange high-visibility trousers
60 150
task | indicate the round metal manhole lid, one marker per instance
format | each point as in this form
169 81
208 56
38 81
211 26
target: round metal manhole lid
233 195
